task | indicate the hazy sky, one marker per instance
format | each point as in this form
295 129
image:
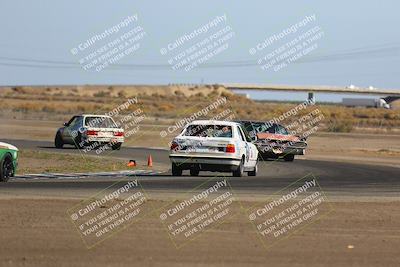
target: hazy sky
360 45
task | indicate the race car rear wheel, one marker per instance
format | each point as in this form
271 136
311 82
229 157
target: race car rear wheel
58 142
239 171
289 157
79 143
6 168
194 172
116 146
176 171
254 171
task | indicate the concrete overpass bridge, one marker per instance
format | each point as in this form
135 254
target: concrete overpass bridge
388 94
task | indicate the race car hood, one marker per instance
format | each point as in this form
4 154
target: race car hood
7 146
278 137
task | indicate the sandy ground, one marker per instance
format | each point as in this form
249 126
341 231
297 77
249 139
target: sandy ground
361 148
360 231
354 234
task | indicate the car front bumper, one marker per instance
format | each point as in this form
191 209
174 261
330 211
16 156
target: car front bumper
281 148
281 151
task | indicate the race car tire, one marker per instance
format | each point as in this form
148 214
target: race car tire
78 142
239 171
176 171
6 168
116 146
194 172
262 156
58 142
289 157
254 171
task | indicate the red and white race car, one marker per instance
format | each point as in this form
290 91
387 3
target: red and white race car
274 140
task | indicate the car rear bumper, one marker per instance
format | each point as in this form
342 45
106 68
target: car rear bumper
205 163
105 139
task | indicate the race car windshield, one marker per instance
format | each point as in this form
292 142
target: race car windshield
100 122
277 129
209 131
272 129
260 127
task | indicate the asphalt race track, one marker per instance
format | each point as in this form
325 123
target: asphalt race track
335 178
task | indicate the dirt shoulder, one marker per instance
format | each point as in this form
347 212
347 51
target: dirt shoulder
34 161
378 149
355 234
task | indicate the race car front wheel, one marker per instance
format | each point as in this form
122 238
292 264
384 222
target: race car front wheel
288 157
58 142
6 168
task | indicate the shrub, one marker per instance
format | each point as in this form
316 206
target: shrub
341 126
166 107
101 94
122 94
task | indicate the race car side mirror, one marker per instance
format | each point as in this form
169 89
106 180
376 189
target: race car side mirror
65 123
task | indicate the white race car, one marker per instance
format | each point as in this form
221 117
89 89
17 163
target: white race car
213 146
86 130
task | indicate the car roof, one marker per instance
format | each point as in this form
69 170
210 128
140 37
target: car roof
250 121
266 122
93 115
214 122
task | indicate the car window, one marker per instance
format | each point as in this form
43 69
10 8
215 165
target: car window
240 134
272 129
246 136
208 131
248 129
281 130
260 127
277 129
100 122
73 122
248 126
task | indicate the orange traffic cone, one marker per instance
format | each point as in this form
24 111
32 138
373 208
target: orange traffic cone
149 161
131 163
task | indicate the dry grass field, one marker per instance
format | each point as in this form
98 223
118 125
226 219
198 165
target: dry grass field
168 102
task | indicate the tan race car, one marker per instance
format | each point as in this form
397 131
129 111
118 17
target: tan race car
274 140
